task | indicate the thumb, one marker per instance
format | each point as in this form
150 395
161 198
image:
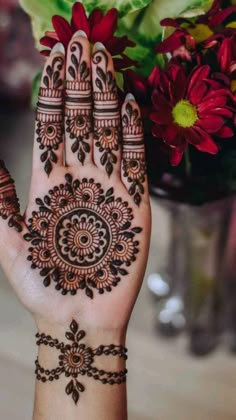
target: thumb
9 203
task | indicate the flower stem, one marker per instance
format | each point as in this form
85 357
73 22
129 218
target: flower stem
188 165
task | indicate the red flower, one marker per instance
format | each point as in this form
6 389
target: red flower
206 31
180 40
98 28
190 110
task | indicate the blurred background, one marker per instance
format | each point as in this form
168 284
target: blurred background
182 336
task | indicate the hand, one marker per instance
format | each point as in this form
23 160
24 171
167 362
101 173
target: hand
81 249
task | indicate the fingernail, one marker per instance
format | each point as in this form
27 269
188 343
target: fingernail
58 48
130 97
80 33
98 47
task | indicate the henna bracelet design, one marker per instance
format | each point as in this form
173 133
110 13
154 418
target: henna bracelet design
77 359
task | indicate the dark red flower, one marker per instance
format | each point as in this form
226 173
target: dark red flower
98 28
205 31
190 110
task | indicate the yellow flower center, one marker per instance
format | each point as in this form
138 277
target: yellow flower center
233 86
200 32
185 114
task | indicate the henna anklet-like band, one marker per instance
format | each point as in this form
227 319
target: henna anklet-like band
77 359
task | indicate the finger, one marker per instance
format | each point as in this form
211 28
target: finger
133 157
107 124
9 203
78 104
48 145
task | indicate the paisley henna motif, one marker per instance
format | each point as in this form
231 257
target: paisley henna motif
134 163
78 108
9 204
107 132
77 359
49 125
82 237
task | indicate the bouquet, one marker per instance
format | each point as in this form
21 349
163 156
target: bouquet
179 60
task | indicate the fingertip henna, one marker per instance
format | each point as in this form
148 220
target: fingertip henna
134 163
49 116
107 132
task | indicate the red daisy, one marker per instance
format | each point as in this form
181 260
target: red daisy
98 28
190 110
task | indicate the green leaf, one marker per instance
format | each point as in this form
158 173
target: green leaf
146 23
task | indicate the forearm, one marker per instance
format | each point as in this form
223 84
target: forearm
54 399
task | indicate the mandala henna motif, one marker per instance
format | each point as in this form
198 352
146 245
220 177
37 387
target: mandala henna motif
77 359
78 108
82 237
9 204
134 163
107 132
49 125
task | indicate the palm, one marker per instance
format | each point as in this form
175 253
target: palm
87 226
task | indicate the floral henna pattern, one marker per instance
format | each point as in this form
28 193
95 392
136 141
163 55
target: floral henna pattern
9 204
77 359
49 120
78 108
107 131
134 163
82 237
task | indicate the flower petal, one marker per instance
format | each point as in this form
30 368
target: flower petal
202 141
211 124
95 17
198 75
175 41
106 27
48 42
176 156
63 29
225 132
79 19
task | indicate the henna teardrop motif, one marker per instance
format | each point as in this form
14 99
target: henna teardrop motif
82 237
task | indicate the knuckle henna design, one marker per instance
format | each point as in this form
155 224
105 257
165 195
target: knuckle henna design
78 106
9 204
49 118
134 162
107 132
82 237
77 359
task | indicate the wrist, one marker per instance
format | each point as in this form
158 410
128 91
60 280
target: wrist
95 335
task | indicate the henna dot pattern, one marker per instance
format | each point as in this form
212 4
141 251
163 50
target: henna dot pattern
76 359
82 238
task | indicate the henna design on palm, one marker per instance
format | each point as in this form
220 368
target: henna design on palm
134 163
107 132
77 359
9 203
78 107
82 237
49 127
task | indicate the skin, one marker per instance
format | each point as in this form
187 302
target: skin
105 318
